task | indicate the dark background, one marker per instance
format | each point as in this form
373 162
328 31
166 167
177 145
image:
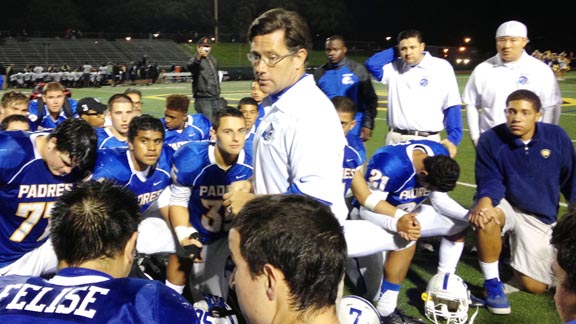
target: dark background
443 23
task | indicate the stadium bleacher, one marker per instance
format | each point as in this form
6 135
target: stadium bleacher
76 52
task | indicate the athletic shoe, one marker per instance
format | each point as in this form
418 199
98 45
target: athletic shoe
397 317
496 300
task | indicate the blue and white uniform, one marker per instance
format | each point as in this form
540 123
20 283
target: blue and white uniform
151 186
199 184
197 129
47 122
78 295
197 175
107 140
391 175
493 80
28 191
352 163
351 79
423 98
116 164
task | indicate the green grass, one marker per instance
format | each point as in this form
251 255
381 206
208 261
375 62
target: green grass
526 308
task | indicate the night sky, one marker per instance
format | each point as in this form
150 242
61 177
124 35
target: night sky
446 23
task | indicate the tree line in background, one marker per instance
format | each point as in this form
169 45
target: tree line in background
181 17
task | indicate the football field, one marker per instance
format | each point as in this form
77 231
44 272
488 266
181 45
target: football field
526 308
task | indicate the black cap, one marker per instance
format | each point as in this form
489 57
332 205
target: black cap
89 103
204 41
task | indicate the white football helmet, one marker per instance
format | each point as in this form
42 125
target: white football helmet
214 309
446 299
357 310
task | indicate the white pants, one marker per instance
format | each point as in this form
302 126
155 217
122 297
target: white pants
40 261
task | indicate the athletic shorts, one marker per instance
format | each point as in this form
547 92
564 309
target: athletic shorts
530 248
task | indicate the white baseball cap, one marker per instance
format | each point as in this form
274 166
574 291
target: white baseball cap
512 28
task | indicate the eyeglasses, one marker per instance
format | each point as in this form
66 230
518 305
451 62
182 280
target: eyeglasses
271 61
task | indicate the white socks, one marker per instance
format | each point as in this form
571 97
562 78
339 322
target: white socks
490 270
449 255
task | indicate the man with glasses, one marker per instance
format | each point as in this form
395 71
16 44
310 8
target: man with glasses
299 145
522 166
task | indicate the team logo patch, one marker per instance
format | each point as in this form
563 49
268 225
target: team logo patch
523 79
268 134
347 79
424 82
545 153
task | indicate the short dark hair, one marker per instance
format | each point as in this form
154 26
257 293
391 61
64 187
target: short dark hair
12 119
300 236
94 219
226 112
564 241
409 33
247 101
296 30
526 95
178 102
76 137
344 104
336 37
443 172
118 97
144 122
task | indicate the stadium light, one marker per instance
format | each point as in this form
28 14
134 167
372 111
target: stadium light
467 40
128 38
156 35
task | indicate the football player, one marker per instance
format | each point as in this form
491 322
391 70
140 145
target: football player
401 177
121 110
36 169
182 128
93 229
145 169
202 173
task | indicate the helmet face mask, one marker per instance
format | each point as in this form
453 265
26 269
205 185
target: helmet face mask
447 299
357 310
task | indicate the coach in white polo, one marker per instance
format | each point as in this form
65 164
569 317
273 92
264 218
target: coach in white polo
509 70
423 94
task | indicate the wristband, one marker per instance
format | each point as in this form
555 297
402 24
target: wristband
371 201
399 213
183 232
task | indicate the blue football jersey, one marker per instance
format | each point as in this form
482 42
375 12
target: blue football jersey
391 170
77 295
47 122
197 129
107 140
194 166
116 164
352 161
249 145
27 192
